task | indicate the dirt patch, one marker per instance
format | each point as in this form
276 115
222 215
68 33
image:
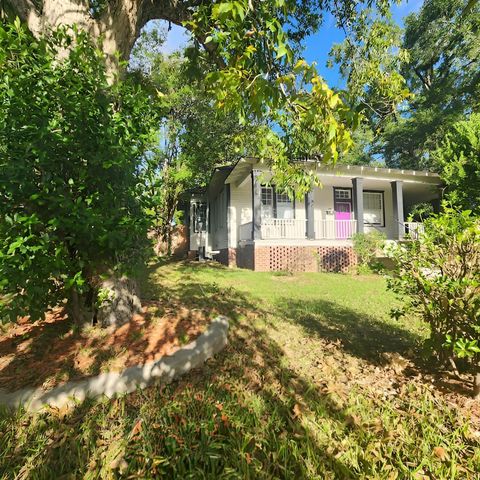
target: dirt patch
50 352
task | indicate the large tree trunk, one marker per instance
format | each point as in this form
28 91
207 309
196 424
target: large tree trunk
118 24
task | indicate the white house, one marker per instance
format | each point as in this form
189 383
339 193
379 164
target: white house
241 219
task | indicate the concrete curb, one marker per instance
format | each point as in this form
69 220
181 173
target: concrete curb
110 384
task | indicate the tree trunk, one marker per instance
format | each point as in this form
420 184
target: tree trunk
118 23
78 310
476 385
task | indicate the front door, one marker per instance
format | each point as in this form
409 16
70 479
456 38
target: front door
343 212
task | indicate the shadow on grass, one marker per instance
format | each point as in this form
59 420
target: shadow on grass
361 335
245 414
240 413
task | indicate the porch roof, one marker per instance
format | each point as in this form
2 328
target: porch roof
244 166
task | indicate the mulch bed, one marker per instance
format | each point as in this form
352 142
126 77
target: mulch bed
49 352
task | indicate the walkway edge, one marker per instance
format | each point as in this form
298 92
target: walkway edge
110 384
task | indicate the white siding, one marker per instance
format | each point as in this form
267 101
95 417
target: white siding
240 209
241 203
322 201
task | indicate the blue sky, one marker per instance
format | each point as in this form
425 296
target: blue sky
317 46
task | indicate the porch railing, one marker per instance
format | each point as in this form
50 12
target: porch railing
294 229
413 230
283 228
335 229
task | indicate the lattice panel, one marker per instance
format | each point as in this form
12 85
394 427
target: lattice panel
336 259
304 259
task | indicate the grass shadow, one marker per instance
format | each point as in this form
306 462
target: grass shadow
361 335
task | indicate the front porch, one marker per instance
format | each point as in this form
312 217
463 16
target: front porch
294 229
337 210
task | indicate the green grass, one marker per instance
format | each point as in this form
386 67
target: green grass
304 389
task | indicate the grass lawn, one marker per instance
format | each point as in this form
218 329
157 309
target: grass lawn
317 382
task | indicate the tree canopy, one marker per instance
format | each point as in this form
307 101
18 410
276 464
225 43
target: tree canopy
438 57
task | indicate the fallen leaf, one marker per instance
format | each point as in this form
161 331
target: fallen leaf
353 420
440 453
136 430
248 458
225 420
297 410
119 464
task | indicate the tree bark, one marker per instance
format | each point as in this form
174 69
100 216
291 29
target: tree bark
476 386
118 24
78 309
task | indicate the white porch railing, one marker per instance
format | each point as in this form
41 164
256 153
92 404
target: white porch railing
335 229
289 228
283 228
414 229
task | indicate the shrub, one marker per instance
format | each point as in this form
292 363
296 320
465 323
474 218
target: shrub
366 246
71 146
420 211
438 277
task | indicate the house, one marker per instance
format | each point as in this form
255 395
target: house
241 219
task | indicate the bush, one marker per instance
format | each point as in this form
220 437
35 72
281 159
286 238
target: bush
71 147
366 246
439 278
420 212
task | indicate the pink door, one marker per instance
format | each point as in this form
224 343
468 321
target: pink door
343 211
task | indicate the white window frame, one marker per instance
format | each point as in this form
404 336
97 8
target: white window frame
380 194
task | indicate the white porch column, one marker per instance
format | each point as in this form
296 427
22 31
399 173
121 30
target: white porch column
398 218
310 214
358 203
256 205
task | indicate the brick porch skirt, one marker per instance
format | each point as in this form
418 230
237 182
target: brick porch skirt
289 258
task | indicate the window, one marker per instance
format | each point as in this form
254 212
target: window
267 202
373 208
276 205
343 194
199 217
284 206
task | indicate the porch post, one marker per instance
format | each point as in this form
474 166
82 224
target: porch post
256 205
310 214
398 219
358 203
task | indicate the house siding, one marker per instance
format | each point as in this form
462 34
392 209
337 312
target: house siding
240 209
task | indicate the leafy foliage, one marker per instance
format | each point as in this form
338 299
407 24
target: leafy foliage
442 41
412 85
439 278
367 246
459 157
420 211
71 147
370 60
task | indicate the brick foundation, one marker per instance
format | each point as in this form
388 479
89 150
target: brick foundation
289 258
304 259
245 257
227 256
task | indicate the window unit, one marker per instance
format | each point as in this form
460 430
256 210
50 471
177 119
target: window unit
373 208
275 204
